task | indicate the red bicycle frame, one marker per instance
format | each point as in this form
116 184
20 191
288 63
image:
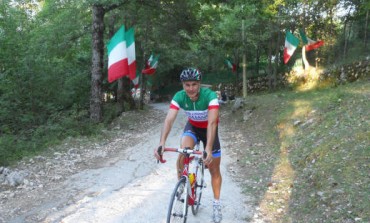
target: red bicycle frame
187 159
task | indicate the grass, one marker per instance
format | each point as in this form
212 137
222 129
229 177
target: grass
314 162
326 134
330 153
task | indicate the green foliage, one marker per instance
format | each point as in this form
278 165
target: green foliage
45 57
29 142
219 77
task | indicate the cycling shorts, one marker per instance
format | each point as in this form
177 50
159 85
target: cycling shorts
200 134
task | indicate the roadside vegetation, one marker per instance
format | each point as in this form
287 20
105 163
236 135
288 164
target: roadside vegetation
53 57
304 155
301 150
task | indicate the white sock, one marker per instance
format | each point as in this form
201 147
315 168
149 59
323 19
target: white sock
216 202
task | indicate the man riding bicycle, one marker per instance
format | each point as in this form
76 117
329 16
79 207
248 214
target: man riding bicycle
202 109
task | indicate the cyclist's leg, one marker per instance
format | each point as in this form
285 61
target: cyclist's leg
214 166
188 139
214 169
216 178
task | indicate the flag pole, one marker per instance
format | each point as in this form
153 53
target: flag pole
142 87
304 58
244 64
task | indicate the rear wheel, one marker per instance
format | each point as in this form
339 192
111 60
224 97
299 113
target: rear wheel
199 185
178 209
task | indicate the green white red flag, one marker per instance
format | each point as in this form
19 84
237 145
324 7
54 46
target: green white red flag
131 55
136 81
291 43
121 55
231 65
309 43
151 65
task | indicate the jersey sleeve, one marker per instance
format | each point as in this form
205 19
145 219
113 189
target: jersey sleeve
213 101
175 102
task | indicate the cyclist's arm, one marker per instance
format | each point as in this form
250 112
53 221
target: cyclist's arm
211 131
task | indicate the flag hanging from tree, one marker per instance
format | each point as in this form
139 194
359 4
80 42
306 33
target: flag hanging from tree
231 65
309 43
136 81
151 65
291 43
131 55
121 55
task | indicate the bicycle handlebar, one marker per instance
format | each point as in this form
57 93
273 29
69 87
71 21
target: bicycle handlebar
186 150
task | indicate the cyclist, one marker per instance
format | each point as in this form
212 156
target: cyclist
202 109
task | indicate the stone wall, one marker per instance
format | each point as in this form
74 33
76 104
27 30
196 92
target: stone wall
341 74
348 73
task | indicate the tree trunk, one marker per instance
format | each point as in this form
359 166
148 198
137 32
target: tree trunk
96 107
366 25
257 68
276 64
269 66
345 40
120 96
142 91
347 25
127 93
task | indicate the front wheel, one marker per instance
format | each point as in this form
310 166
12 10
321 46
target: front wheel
199 185
178 209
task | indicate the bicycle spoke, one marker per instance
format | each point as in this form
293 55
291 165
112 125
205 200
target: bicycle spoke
177 211
199 185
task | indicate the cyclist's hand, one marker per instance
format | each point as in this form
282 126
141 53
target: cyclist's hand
158 152
209 158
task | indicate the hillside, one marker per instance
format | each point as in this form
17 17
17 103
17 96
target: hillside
304 156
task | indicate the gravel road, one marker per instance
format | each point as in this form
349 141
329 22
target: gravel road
130 187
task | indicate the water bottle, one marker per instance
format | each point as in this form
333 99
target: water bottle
192 179
193 168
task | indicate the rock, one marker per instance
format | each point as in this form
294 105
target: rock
297 122
308 122
247 115
2 178
14 179
238 104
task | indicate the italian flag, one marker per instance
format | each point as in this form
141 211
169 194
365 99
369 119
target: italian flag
151 65
135 81
121 55
291 43
309 43
130 39
232 66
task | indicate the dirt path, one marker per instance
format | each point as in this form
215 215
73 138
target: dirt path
127 187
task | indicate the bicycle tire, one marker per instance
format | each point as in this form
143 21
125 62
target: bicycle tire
199 185
178 208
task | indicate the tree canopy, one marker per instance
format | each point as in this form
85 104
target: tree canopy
46 47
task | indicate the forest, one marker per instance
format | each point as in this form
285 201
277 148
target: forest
53 57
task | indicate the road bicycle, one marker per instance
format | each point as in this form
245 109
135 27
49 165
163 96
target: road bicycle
188 190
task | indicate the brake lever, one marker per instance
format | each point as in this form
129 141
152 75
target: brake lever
160 153
204 154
